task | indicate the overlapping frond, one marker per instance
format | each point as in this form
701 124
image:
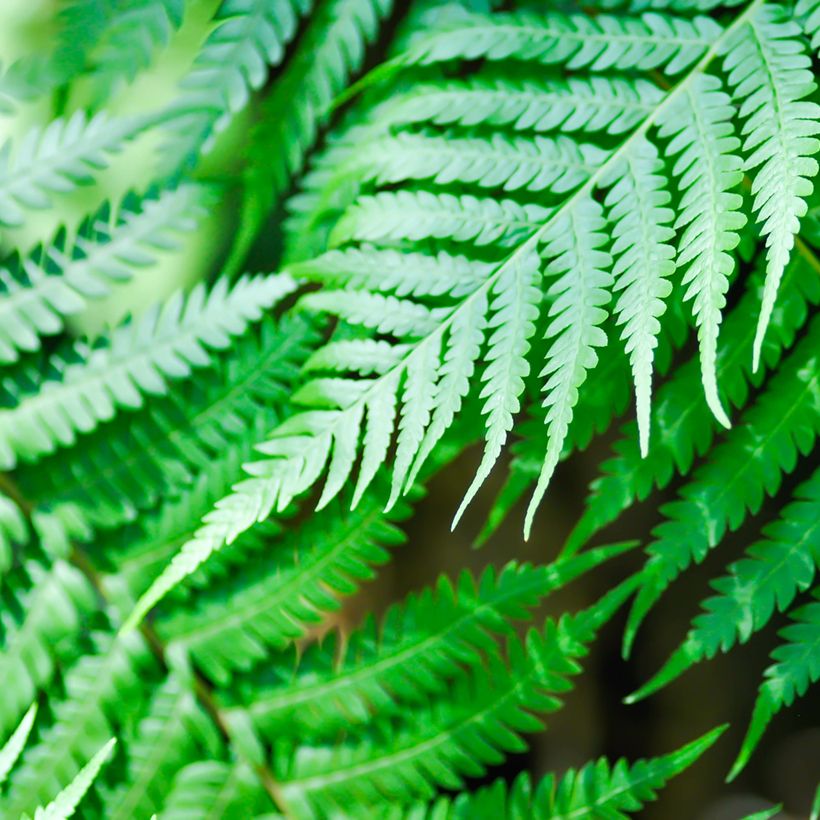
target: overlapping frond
767 580
458 735
743 470
57 159
248 36
598 789
139 357
329 53
101 690
40 628
796 667
126 465
57 280
413 654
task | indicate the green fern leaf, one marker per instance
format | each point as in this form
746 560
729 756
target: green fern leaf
14 746
417 215
797 667
56 159
742 471
599 789
14 531
709 169
458 735
54 602
771 76
139 30
574 245
65 804
637 209
101 690
287 589
600 43
136 358
173 731
212 788
125 466
417 650
612 105
767 580
58 280
249 35
330 51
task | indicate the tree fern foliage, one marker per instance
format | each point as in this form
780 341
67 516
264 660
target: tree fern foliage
393 234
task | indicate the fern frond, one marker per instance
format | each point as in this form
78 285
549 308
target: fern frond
344 412
52 603
600 43
742 471
637 208
419 647
213 788
57 159
126 465
102 689
57 280
136 358
504 162
399 273
458 735
613 105
770 73
65 803
776 569
514 302
797 667
13 747
330 51
276 597
138 30
575 245
173 731
599 789
708 169
416 215
249 35
684 427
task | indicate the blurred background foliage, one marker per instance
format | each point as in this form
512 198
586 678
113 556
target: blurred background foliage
785 768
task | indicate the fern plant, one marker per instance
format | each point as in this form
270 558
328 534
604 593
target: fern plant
269 266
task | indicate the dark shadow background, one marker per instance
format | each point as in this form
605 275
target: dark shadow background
594 721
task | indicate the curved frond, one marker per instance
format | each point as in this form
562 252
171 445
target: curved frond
249 36
767 580
770 74
57 280
137 358
598 789
797 668
57 159
418 648
53 603
742 471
